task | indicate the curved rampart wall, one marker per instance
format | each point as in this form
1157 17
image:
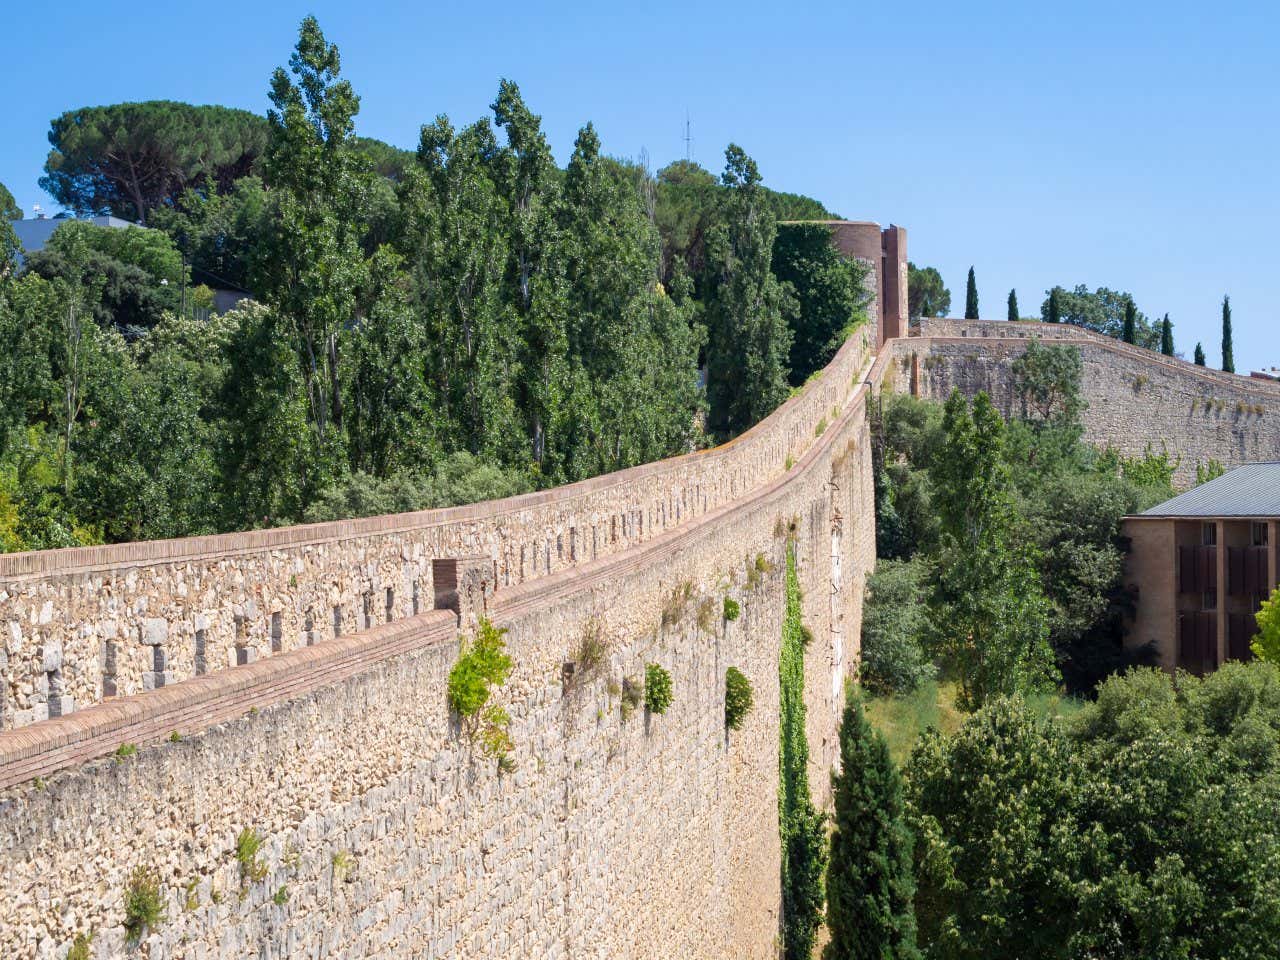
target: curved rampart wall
1136 398
386 831
81 625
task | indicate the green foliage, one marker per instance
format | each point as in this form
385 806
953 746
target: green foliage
657 688
1101 310
894 628
738 698
1053 306
1129 329
830 290
1228 350
1266 642
1199 356
676 604
143 904
1209 471
124 751
127 159
495 738
344 865
1166 336
732 610
1047 379
80 947
1013 307
281 896
9 209
801 826
1140 828
632 696
870 883
987 607
971 297
927 296
482 664
248 847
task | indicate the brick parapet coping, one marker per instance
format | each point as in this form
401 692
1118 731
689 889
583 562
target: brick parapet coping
193 705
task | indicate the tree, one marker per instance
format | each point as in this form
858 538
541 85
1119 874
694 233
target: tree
1102 311
1047 380
1199 355
1013 306
830 291
315 264
987 605
894 627
927 296
127 159
1166 336
1053 307
1228 353
1129 333
870 883
9 209
1266 642
748 310
971 297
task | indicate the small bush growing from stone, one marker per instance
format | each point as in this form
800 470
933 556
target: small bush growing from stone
80 947
175 737
124 751
248 846
731 609
673 610
791 462
632 697
191 901
143 907
593 649
344 865
481 665
738 697
281 897
707 615
657 688
495 738
821 428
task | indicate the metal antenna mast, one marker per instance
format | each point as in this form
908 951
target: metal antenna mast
688 139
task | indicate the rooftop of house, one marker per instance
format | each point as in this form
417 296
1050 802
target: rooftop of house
1251 490
34 233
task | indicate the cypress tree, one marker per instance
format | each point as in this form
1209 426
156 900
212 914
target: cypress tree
1228 354
870 883
1130 334
971 298
1013 305
1055 308
1166 336
1199 355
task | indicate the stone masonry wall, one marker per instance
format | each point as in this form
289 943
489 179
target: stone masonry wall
1137 399
83 625
388 835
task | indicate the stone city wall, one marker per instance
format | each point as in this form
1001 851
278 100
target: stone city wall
82 625
387 834
1136 398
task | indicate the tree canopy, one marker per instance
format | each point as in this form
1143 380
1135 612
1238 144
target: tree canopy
927 295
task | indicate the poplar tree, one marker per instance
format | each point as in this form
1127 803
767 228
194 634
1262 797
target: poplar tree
1166 336
1055 307
1013 305
870 881
748 309
1199 355
1130 332
1228 354
971 297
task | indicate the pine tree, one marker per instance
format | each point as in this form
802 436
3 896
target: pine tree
971 297
1055 308
1130 334
870 883
1166 336
1013 305
1228 354
1199 355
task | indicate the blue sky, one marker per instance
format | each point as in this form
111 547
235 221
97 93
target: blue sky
1131 145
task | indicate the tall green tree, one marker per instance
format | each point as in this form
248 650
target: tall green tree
1166 336
870 880
1013 306
1129 333
1102 310
1199 355
9 209
927 295
1228 351
1053 308
988 608
748 310
316 266
971 297
127 159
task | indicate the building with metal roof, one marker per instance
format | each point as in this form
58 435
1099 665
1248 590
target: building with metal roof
1251 490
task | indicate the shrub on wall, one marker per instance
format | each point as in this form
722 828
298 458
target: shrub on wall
143 906
657 688
248 846
738 697
731 609
482 665
80 947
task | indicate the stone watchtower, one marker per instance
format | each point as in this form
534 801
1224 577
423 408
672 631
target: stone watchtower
885 252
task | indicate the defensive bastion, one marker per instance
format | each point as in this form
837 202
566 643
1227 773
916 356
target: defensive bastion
291 682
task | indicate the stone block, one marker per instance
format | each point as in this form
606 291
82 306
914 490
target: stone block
153 680
153 631
51 656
